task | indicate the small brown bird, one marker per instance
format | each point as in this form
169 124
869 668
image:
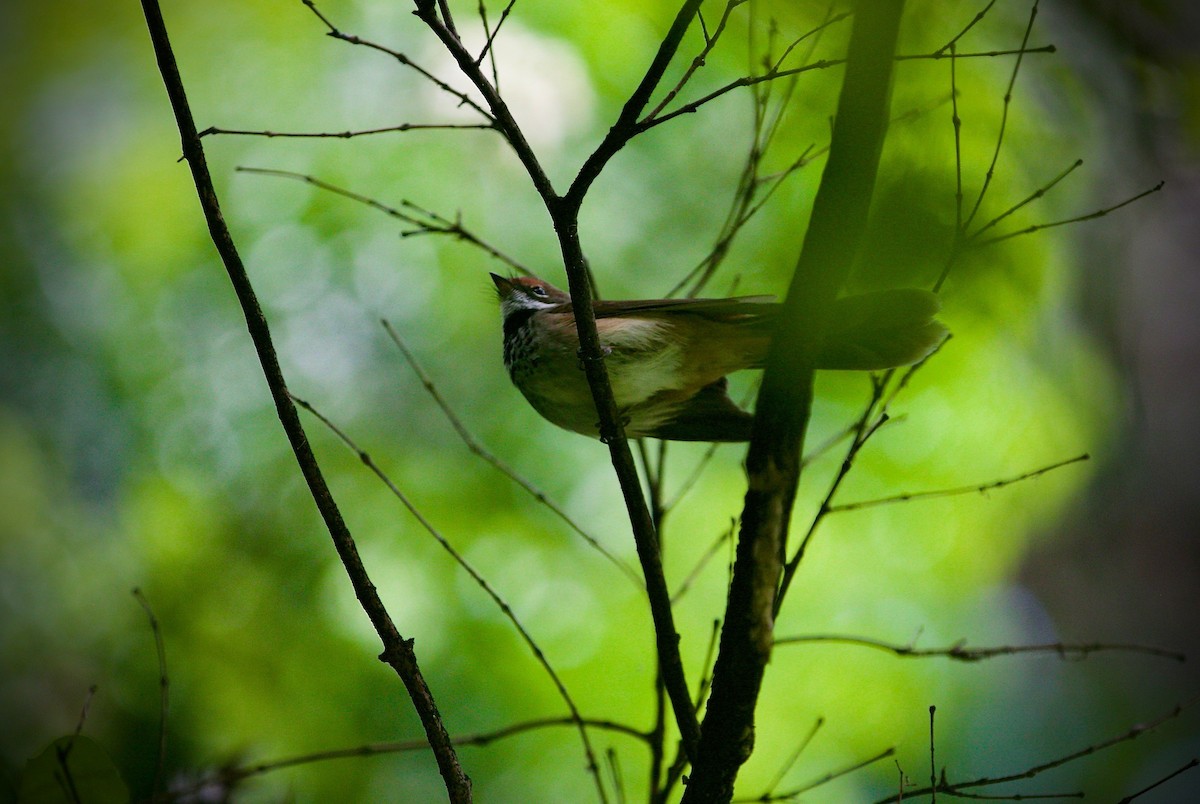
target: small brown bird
667 359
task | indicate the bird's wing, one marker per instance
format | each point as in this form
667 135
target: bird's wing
756 307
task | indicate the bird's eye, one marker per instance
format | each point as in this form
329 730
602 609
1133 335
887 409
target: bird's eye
538 290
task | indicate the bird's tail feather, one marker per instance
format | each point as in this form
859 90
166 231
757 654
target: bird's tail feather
881 330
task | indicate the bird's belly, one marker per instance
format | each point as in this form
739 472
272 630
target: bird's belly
639 368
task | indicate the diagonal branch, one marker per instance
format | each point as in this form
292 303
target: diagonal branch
489 457
480 581
626 127
397 651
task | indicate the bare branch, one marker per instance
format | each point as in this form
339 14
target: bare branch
694 477
975 21
863 430
869 422
824 64
491 53
958 789
491 38
462 98
709 652
444 8
710 42
345 135
480 581
982 54
961 653
626 126
488 456
85 709
826 779
830 20
707 556
164 687
1079 219
956 121
982 488
932 754
425 221
398 652
481 739
745 81
1029 199
791 761
1186 767
987 179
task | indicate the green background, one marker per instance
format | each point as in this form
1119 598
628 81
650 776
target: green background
139 447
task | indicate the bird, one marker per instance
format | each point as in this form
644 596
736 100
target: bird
668 359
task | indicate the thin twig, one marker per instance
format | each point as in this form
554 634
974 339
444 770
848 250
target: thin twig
960 652
982 488
1029 199
462 98
975 21
826 779
483 19
1186 767
830 20
956 122
491 37
346 135
824 64
958 788
447 19
987 178
1090 216
433 223
488 456
864 428
164 686
710 42
616 777
479 740
874 417
791 761
705 678
398 652
749 199
707 556
1019 52
694 477
480 581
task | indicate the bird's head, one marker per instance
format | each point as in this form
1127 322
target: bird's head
526 294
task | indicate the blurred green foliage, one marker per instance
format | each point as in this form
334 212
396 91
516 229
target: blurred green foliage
139 446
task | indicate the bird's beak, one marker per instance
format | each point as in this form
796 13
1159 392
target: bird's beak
503 286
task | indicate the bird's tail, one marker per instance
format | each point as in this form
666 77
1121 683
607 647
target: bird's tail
881 330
